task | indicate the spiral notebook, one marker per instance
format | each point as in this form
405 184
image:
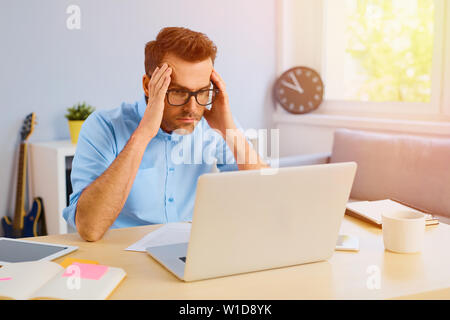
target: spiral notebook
370 211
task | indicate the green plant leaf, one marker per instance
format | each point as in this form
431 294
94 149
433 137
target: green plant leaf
79 111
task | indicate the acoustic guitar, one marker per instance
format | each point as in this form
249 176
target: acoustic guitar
33 223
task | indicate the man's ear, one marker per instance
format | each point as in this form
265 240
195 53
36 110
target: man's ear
145 81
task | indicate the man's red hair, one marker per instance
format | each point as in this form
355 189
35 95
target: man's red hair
184 43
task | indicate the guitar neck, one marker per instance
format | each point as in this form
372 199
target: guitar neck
19 212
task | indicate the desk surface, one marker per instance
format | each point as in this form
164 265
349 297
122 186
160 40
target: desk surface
347 275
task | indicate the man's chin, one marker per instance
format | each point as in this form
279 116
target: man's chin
186 128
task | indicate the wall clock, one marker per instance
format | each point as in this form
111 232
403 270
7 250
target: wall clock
299 90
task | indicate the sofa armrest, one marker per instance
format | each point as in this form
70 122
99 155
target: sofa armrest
301 160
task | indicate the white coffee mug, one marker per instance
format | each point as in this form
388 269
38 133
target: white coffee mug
403 231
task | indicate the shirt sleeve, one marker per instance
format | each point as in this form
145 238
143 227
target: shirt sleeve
96 150
225 156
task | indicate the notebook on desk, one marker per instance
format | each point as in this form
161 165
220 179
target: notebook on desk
49 280
371 211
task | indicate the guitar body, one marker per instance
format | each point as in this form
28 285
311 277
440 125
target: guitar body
33 224
7 227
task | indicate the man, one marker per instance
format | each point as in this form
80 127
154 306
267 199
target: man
127 170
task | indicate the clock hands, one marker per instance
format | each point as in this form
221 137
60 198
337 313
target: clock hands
294 78
295 87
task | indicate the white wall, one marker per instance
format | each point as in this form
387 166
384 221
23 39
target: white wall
46 68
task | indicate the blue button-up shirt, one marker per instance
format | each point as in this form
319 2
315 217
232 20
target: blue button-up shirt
165 184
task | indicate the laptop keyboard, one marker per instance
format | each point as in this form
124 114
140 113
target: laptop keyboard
182 259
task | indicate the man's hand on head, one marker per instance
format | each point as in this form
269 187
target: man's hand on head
219 117
156 93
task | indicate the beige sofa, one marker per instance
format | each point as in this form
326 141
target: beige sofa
412 169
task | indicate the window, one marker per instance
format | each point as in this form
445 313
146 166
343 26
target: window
376 57
379 50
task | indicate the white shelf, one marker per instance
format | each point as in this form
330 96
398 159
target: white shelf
361 122
48 164
64 146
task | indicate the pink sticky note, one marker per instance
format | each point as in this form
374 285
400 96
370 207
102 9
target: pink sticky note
85 271
5 279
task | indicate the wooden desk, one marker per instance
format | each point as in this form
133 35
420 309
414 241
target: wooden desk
344 276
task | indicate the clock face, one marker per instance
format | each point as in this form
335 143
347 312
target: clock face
299 90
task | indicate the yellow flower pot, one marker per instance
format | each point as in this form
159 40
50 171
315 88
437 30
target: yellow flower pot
74 128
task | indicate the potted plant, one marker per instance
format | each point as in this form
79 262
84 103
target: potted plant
76 116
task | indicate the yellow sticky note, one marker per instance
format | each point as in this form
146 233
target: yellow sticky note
68 261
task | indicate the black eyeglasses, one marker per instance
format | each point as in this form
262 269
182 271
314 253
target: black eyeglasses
179 97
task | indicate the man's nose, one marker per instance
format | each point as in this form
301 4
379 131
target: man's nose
191 105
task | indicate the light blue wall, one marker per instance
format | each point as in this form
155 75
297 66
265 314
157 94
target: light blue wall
46 68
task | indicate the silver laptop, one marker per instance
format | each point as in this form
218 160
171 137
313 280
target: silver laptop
245 221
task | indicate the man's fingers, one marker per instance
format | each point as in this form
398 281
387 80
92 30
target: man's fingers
166 84
161 92
162 80
218 80
156 76
219 84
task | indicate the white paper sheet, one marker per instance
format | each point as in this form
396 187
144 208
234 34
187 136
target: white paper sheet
170 233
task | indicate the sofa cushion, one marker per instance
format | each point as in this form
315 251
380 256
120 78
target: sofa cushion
412 169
